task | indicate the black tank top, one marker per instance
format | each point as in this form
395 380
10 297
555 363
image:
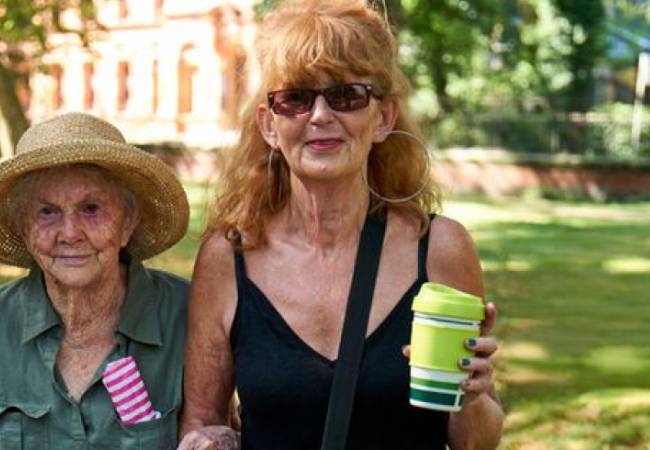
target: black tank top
284 384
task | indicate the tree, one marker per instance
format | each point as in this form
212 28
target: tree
587 46
26 24
443 37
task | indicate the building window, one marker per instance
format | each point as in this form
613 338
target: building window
122 9
232 87
186 72
57 93
122 85
89 92
154 83
23 91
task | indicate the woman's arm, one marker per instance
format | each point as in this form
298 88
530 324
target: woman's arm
209 375
452 260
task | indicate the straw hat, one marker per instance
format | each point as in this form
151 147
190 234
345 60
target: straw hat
81 138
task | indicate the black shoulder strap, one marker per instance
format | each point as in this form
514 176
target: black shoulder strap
240 264
353 335
423 248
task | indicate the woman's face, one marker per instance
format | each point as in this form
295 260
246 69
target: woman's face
324 143
75 226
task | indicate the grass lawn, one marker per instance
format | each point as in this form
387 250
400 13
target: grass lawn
572 284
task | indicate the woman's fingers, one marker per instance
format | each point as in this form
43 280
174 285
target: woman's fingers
197 441
483 346
478 366
481 378
194 440
490 319
477 385
216 437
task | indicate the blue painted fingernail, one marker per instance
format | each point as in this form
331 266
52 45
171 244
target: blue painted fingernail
471 342
465 362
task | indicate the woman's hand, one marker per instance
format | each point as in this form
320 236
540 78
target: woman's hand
480 366
215 437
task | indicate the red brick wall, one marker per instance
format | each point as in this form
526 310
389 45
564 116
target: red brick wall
492 178
507 178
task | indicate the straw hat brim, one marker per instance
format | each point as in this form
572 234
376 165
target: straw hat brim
162 201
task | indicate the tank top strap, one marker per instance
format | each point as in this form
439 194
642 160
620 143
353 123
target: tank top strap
423 247
240 267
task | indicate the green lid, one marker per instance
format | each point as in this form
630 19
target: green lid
441 300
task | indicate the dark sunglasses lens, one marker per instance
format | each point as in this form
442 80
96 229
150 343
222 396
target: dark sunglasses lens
347 97
292 101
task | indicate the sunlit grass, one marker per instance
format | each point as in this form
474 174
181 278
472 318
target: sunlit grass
627 265
180 258
571 281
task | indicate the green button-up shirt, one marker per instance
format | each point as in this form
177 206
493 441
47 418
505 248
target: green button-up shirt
36 412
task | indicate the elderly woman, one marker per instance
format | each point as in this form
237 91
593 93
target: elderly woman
327 152
81 209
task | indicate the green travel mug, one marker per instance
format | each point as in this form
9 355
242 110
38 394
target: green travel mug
444 318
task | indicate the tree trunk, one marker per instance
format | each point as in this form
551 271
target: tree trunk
13 122
440 80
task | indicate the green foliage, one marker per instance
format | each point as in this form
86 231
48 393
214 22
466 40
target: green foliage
24 21
265 6
607 133
586 41
25 25
525 55
18 23
503 129
440 39
614 137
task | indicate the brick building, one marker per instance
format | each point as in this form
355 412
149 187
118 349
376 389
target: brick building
161 70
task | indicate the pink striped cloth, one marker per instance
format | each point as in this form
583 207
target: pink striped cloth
128 392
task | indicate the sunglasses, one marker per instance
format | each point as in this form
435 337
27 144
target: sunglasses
342 98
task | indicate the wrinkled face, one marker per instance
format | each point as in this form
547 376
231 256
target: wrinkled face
75 226
324 143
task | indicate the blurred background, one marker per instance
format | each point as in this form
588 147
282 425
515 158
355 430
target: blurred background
536 113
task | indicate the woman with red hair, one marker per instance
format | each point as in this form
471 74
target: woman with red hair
327 152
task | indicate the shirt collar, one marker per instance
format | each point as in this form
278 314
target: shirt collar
139 321
39 313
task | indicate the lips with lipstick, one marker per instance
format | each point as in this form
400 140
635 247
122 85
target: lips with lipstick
324 145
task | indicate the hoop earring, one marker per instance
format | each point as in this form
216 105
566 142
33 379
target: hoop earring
364 173
269 177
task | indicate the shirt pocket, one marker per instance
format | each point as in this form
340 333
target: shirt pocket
157 434
23 427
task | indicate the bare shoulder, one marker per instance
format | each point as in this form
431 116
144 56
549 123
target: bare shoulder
402 227
452 258
214 294
215 254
